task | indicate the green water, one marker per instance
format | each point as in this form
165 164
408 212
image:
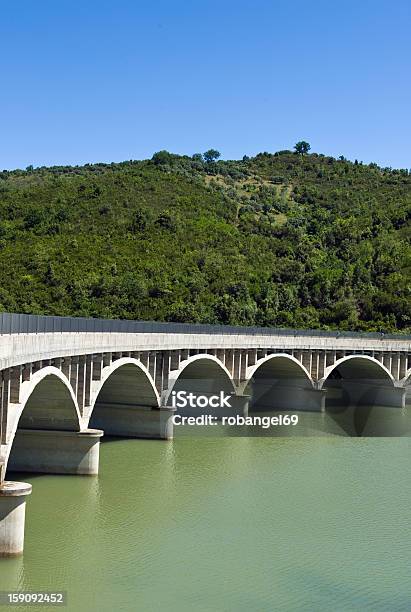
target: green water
317 522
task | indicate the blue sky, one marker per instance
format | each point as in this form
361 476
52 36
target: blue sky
87 81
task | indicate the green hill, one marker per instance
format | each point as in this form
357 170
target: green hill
279 240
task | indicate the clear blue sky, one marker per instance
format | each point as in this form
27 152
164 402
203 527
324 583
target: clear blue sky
87 81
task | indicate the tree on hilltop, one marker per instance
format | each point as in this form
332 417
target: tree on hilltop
302 147
211 155
162 157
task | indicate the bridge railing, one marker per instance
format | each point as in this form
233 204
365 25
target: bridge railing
13 323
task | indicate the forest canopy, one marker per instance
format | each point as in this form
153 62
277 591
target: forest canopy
284 239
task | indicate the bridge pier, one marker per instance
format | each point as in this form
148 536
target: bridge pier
12 517
367 393
56 452
269 396
131 421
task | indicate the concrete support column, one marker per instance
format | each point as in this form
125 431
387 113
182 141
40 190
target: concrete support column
36 366
251 357
158 380
26 372
74 365
261 353
166 369
321 364
3 412
12 517
330 358
403 365
298 355
97 367
56 362
144 357
81 382
107 359
15 382
306 360
229 360
220 355
152 364
395 365
243 365
55 452
66 366
175 360
236 367
88 379
314 365
386 360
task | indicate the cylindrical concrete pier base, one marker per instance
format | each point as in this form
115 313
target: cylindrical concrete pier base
56 452
12 517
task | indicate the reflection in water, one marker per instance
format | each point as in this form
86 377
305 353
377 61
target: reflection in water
372 420
308 520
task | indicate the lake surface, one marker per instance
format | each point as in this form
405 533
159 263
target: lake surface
305 519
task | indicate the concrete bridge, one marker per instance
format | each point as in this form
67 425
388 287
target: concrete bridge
65 381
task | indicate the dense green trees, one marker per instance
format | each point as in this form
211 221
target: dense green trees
282 239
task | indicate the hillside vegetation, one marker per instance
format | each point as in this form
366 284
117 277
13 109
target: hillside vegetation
280 239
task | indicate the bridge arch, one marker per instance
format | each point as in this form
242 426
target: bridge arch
280 381
125 377
282 365
204 375
202 367
358 367
124 394
47 402
361 380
